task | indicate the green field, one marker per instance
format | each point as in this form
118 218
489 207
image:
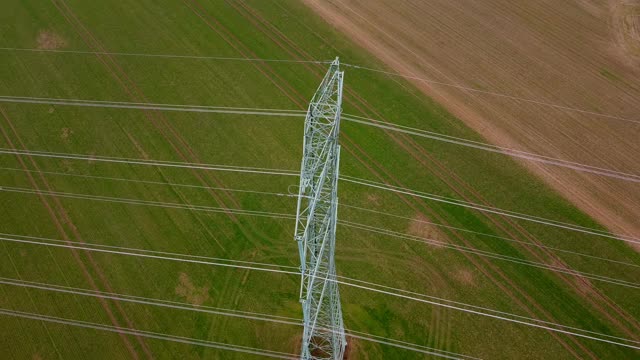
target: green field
276 30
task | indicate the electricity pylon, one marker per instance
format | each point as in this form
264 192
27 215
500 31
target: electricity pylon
315 232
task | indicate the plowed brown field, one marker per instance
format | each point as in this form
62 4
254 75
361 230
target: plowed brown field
580 54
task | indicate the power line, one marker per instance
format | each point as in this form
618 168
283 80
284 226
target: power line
342 204
355 180
342 222
292 61
467 142
483 208
553 249
346 223
481 308
492 93
532 322
223 312
190 107
146 301
148 334
406 345
351 118
586 168
168 56
151 106
440 302
149 203
149 182
140 300
466 249
145 254
427 352
44 241
160 163
496 149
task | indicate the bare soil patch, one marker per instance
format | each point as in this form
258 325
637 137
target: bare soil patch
464 276
422 227
67 165
550 51
373 199
49 40
65 134
193 294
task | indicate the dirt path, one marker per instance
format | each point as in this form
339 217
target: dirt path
561 52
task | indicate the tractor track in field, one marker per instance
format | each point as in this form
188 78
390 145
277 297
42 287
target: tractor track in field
59 217
237 45
183 149
399 141
155 118
161 124
578 285
581 286
211 22
133 91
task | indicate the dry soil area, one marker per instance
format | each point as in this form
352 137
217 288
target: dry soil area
581 54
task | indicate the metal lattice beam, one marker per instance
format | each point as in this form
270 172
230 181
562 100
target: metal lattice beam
323 336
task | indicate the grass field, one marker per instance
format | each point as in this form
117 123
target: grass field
279 30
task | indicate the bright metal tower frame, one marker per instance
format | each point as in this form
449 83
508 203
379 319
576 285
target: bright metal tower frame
315 232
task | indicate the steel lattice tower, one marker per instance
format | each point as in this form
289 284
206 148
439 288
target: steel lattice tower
323 336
